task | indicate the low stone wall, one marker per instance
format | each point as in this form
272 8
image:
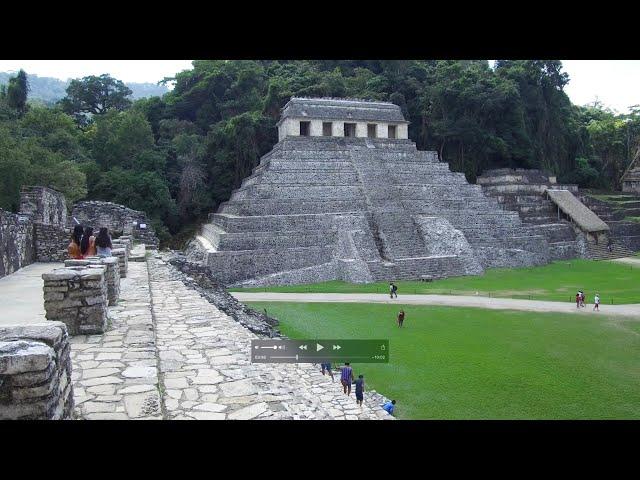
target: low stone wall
16 242
35 372
112 273
123 260
77 296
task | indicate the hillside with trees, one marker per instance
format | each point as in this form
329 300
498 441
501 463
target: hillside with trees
48 90
179 155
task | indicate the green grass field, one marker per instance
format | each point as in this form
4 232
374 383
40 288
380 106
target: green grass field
464 363
558 281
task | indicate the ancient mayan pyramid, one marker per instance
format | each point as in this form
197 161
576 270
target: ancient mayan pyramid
344 194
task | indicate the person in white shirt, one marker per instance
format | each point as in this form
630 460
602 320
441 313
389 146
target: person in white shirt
596 302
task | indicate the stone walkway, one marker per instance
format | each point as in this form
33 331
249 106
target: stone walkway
631 310
170 354
115 375
205 368
21 299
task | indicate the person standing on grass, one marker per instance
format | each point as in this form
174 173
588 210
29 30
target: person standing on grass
400 318
346 378
596 302
360 390
327 366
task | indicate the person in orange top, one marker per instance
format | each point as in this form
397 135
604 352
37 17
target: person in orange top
88 243
74 246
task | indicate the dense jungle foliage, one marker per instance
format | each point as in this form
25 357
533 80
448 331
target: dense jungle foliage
178 156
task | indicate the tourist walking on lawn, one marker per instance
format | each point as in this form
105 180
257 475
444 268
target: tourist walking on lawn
393 290
400 318
327 366
582 297
346 378
578 297
88 243
103 243
74 249
596 302
360 390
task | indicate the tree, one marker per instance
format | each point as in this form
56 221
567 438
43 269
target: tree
17 92
95 95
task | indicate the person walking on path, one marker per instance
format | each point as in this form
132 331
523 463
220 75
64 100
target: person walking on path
578 297
327 366
400 318
360 390
88 243
346 378
596 302
74 249
393 290
103 243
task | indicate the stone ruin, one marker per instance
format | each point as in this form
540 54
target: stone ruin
344 194
119 219
631 177
41 231
35 372
574 224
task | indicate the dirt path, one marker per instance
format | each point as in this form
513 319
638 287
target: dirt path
632 310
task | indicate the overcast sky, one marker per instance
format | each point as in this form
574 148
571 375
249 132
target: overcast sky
616 83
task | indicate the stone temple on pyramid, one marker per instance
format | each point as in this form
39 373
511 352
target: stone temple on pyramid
345 195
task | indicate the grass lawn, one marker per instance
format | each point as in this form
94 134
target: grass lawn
466 363
558 281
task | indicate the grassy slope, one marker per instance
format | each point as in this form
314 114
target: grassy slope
462 363
557 281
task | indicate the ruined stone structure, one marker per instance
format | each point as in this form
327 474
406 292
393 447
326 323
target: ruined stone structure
77 296
559 212
35 372
40 232
16 242
325 204
631 177
119 219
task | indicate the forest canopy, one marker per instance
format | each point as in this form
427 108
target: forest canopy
177 157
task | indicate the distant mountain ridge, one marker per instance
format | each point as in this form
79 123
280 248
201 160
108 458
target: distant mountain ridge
49 90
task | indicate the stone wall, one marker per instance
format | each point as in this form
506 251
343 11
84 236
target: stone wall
51 242
78 297
44 205
119 219
16 242
35 372
112 273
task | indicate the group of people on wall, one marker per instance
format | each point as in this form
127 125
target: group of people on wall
84 244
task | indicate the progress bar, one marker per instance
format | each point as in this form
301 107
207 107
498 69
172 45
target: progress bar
320 351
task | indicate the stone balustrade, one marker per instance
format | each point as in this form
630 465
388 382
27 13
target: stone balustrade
78 297
35 372
123 259
112 273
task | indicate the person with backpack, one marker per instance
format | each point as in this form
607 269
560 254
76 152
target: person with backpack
393 290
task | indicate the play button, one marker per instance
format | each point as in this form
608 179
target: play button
318 347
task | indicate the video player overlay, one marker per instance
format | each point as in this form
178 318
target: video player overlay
319 351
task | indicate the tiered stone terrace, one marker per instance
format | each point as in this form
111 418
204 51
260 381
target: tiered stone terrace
359 209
